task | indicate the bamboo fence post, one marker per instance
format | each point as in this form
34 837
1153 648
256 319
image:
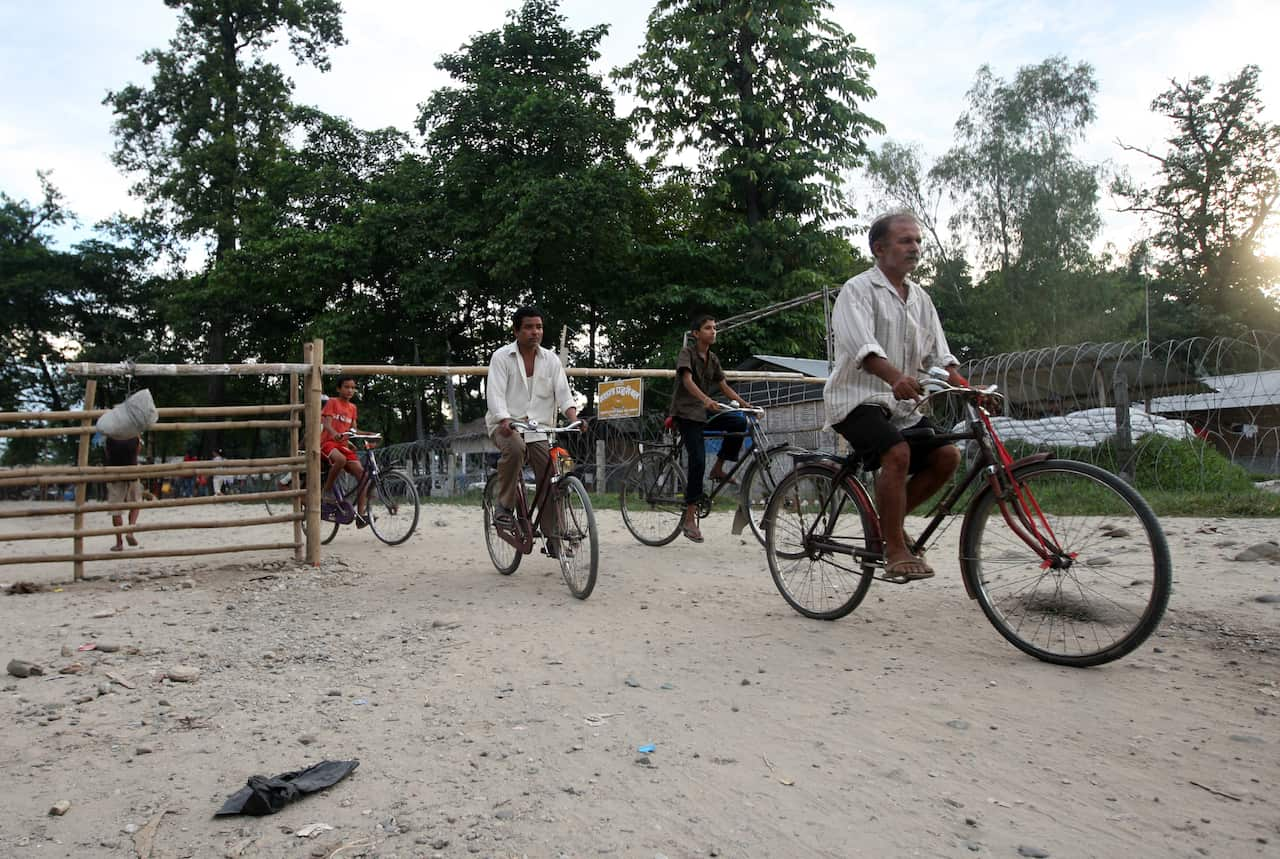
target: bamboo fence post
314 387
295 476
82 460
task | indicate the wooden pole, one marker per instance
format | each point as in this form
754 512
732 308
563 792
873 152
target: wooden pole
295 475
82 460
315 356
154 526
124 472
64 509
87 369
192 426
168 412
140 553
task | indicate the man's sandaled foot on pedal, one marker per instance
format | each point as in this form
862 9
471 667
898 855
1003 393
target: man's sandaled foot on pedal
908 569
722 477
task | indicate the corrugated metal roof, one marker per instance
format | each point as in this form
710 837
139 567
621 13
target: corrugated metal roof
814 367
1237 391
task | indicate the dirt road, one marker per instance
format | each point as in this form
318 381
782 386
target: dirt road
500 717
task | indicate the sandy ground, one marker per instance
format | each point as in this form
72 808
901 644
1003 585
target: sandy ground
500 717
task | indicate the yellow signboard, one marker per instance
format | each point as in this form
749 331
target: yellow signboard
622 398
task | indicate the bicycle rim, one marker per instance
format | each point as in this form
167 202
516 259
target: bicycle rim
1106 601
652 498
393 508
762 478
503 554
820 585
577 545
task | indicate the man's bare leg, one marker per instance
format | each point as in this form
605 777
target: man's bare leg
891 500
943 462
337 462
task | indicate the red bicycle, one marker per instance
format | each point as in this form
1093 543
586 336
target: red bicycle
1066 560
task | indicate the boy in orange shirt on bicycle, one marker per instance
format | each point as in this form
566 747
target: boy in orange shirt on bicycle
337 418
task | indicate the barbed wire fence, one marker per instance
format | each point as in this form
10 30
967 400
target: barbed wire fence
1165 414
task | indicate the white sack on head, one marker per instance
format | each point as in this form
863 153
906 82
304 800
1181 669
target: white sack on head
131 418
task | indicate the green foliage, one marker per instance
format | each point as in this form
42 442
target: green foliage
536 191
1022 195
204 141
1161 463
1211 205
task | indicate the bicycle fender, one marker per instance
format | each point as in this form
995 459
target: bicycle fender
973 506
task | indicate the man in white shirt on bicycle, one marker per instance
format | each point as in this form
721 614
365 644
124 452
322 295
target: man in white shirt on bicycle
886 331
526 383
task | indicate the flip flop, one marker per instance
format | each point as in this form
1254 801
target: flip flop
117 548
907 570
131 540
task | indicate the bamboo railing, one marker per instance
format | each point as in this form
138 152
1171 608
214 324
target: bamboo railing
291 417
300 415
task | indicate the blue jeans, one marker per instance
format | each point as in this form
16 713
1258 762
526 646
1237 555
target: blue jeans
695 446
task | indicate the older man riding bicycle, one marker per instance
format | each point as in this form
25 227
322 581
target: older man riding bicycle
886 330
526 382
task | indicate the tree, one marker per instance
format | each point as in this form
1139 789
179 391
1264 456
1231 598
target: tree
1212 201
536 187
1028 203
767 95
204 134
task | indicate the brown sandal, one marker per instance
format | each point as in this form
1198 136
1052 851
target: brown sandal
907 570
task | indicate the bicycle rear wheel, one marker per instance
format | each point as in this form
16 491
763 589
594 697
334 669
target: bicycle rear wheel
652 498
503 554
393 507
762 478
817 583
577 543
1105 597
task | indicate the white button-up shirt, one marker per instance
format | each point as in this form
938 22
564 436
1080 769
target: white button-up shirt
509 393
870 318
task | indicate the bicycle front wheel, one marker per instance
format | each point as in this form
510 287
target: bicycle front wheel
652 498
802 529
577 544
1110 587
762 478
393 508
503 554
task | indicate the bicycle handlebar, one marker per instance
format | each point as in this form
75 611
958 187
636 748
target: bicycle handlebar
533 426
937 385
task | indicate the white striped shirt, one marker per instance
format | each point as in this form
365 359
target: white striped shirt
870 318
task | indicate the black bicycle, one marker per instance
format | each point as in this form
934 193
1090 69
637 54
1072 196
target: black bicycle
393 505
1066 560
652 498
573 540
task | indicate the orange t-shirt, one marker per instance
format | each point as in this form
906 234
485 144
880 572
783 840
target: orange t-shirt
342 416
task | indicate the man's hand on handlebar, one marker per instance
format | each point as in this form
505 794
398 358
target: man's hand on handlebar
907 388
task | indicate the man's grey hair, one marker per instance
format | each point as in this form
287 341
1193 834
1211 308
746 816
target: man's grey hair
880 226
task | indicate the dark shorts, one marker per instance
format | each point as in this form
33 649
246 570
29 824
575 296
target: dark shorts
870 434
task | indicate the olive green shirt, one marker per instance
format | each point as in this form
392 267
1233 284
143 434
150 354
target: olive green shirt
707 375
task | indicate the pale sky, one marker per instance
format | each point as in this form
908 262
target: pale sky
59 58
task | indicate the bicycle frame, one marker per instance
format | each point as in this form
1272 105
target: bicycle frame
342 510
993 463
759 447
528 518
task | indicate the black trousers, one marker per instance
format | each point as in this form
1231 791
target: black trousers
691 432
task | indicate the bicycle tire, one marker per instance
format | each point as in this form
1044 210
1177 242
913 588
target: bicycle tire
280 481
1110 598
760 481
820 585
393 507
652 498
505 557
578 541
